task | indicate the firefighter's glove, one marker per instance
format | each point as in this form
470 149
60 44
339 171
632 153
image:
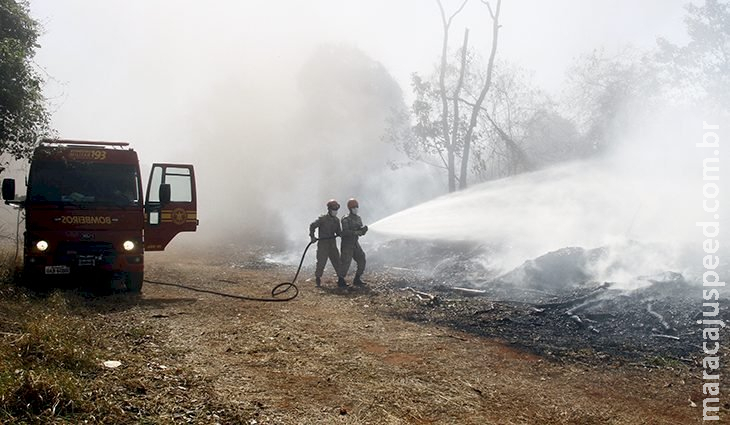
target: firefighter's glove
364 229
312 239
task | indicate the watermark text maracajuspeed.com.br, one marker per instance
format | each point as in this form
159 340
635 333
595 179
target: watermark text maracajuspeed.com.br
711 280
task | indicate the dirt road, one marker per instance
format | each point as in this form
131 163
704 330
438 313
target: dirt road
345 357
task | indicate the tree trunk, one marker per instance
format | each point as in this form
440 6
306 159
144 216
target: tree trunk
445 104
456 122
450 146
518 156
478 105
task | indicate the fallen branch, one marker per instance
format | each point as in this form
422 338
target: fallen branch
676 338
423 296
468 291
575 318
664 323
583 305
402 269
580 321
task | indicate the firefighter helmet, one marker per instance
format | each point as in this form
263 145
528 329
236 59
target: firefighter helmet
333 205
352 203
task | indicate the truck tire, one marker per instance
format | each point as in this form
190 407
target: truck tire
135 281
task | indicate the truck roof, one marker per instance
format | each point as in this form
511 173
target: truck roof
85 151
71 142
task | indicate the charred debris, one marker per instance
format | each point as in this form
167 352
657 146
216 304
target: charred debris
550 305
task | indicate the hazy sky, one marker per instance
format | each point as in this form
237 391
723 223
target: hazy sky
129 57
215 83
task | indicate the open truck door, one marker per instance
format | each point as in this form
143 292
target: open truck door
170 204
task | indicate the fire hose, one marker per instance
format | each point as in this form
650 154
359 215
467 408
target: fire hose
278 290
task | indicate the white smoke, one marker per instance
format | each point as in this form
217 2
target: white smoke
640 203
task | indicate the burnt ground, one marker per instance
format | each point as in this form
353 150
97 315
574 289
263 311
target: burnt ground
597 325
549 306
379 355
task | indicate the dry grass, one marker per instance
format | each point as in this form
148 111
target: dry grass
49 359
327 357
52 349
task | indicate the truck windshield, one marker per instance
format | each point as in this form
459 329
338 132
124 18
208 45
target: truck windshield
83 183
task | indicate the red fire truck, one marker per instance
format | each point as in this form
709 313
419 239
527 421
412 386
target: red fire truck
84 214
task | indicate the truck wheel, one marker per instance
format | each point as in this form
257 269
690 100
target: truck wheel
134 282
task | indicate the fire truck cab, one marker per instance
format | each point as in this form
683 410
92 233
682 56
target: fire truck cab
85 215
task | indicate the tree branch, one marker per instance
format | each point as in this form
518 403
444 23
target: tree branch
457 90
458 10
489 6
482 96
511 144
441 155
442 92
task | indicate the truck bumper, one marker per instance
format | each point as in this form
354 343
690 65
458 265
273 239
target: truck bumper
76 262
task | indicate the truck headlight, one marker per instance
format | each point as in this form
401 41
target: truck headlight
41 245
128 245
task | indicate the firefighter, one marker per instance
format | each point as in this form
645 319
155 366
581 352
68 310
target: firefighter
352 229
329 229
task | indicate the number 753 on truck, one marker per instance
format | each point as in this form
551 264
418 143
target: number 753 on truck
85 216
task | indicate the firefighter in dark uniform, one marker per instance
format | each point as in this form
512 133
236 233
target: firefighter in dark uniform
352 229
329 228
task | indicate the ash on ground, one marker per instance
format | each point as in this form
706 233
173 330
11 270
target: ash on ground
549 305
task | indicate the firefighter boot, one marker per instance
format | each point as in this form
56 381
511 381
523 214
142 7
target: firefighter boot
318 281
341 282
357 281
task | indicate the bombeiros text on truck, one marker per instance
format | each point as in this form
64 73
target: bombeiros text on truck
84 214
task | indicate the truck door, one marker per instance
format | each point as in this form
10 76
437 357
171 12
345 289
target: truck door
170 204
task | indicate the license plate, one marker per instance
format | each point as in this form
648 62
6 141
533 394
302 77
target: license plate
58 270
87 260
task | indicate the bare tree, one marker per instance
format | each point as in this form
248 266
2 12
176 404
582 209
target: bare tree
482 95
470 119
449 136
452 135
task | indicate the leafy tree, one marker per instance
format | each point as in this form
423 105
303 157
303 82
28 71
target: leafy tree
550 138
700 70
511 104
602 91
606 90
23 115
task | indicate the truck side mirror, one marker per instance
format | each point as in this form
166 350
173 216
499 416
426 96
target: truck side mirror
8 189
164 193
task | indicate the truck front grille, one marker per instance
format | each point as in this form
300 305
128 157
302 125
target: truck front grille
86 254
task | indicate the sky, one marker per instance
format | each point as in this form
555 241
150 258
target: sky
217 83
111 57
